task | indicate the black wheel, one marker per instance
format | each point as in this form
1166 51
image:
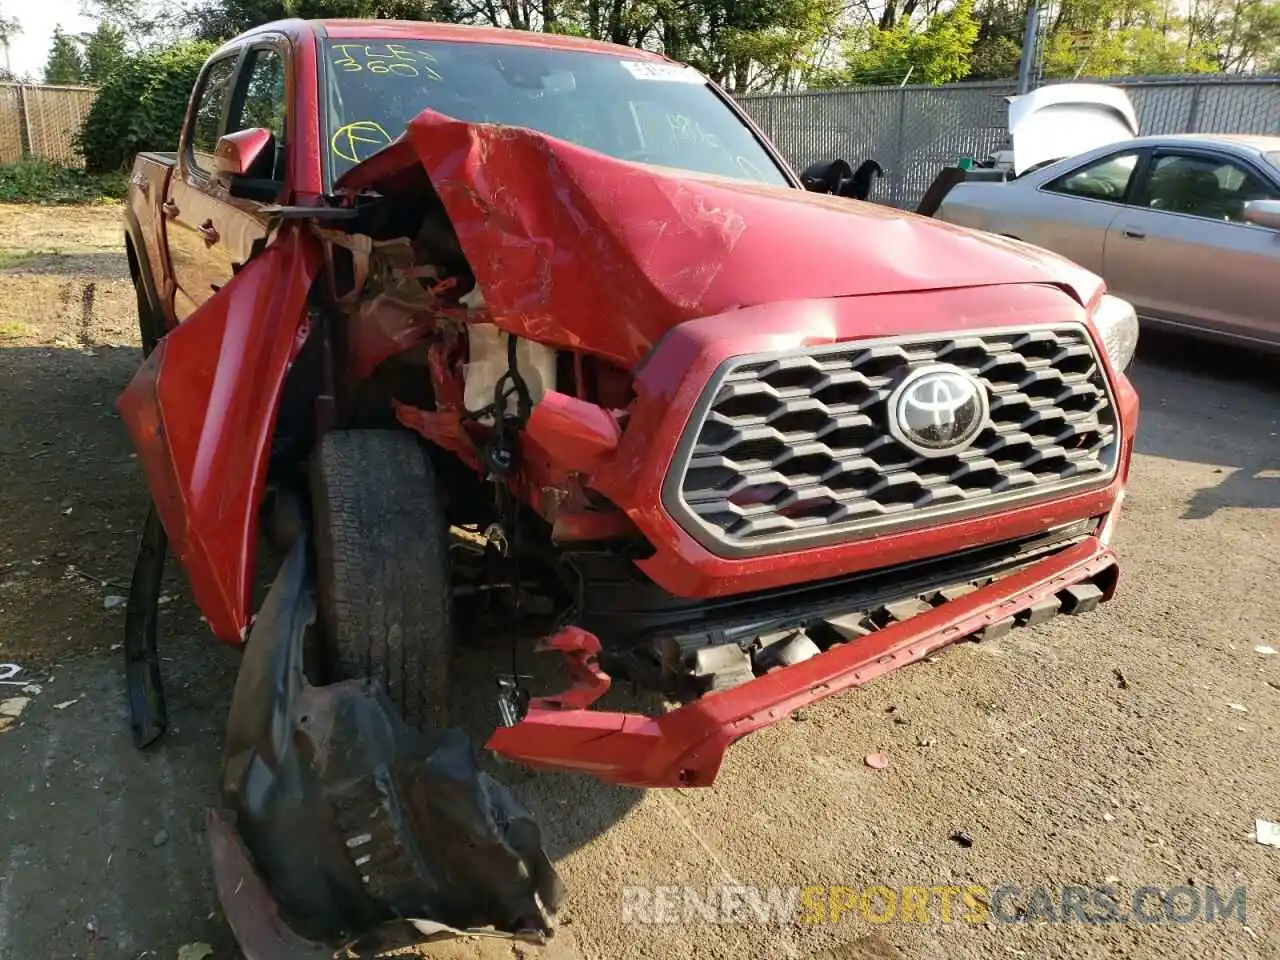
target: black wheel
382 567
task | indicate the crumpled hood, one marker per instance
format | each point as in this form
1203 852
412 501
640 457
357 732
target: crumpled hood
577 249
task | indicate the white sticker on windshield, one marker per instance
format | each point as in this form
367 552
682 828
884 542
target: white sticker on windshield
656 70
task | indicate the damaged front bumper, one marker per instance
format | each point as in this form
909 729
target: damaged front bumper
685 747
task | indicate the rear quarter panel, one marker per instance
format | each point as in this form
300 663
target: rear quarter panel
1000 208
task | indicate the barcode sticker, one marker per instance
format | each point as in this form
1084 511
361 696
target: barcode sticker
657 70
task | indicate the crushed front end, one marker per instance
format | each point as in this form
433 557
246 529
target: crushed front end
802 546
759 474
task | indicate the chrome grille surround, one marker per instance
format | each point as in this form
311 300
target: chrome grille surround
791 450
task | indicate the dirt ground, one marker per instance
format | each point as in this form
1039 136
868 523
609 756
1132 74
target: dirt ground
1133 747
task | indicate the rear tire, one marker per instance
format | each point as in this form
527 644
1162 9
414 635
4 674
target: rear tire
382 560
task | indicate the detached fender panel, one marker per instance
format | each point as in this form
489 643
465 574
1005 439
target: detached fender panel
201 412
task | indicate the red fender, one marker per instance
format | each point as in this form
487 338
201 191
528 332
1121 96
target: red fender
201 412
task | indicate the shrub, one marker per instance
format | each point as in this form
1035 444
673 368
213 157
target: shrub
39 181
141 106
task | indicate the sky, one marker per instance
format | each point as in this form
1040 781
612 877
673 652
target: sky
27 54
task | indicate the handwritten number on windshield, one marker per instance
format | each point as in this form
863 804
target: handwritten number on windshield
393 58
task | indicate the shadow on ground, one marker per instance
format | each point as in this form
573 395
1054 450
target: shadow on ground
1172 370
101 846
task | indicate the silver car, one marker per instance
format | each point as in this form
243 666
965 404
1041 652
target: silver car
1186 228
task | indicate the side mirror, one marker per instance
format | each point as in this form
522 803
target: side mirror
825 176
1263 213
236 153
836 176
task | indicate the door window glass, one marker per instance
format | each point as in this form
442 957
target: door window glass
1106 179
210 110
1203 186
263 105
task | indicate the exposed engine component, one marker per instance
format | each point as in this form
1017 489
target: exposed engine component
784 649
722 667
487 363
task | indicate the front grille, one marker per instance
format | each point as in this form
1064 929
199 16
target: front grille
795 449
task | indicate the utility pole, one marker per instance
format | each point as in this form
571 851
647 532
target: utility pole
1028 47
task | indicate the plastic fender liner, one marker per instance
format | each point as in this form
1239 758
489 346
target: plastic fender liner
351 817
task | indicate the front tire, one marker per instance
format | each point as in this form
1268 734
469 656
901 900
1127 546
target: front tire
382 560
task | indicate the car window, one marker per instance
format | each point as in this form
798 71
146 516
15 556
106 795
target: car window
1202 186
647 111
211 110
1105 179
263 105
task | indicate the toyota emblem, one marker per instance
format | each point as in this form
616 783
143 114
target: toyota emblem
938 410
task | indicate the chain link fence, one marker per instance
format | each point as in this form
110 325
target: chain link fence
38 121
912 131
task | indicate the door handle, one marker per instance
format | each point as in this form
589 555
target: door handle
208 231
141 182
169 208
1133 233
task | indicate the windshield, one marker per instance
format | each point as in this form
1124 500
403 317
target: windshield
640 110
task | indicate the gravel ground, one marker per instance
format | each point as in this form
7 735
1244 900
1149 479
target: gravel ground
1135 746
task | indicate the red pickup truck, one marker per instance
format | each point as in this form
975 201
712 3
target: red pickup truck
534 337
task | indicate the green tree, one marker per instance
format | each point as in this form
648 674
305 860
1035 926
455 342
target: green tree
1115 37
141 106
1249 35
221 19
65 64
998 49
741 44
142 23
938 51
104 52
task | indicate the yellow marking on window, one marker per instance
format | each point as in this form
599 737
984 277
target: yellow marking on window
347 61
392 59
358 141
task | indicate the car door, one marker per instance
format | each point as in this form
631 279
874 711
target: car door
1070 213
210 231
1182 253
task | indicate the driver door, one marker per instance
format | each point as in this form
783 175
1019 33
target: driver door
1070 214
210 233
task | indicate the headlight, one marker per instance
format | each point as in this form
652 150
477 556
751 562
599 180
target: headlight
1117 323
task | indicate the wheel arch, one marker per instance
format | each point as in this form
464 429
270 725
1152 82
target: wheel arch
140 269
